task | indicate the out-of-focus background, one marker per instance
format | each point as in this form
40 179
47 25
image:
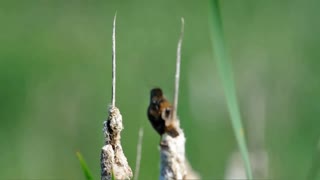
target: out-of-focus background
55 83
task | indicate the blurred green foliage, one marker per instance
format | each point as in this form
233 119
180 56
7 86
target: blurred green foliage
55 82
226 75
84 167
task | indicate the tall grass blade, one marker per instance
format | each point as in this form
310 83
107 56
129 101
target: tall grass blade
84 167
226 74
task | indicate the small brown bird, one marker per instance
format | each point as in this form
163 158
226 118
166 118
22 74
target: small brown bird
159 111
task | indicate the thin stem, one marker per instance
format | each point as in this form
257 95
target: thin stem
139 150
177 76
113 100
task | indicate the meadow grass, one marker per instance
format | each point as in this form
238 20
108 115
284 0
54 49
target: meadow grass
226 75
84 167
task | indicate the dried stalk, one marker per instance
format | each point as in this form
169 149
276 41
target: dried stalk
172 149
139 150
113 99
177 76
172 154
113 161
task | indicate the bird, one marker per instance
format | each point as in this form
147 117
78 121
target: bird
160 111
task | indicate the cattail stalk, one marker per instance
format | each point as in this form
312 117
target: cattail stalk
113 161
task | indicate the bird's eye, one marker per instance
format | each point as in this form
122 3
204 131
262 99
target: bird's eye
167 112
155 101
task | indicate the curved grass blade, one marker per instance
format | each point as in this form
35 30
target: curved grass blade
84 167
226 74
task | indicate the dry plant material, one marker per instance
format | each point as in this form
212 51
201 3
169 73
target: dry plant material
113 161
172 142
163 117
139 151
174 164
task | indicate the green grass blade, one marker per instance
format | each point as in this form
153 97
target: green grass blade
84 167
226 74
112 177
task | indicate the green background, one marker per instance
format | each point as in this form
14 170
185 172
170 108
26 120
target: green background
55 82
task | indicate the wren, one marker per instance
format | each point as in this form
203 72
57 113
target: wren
160 111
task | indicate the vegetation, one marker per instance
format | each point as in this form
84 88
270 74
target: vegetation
55 82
